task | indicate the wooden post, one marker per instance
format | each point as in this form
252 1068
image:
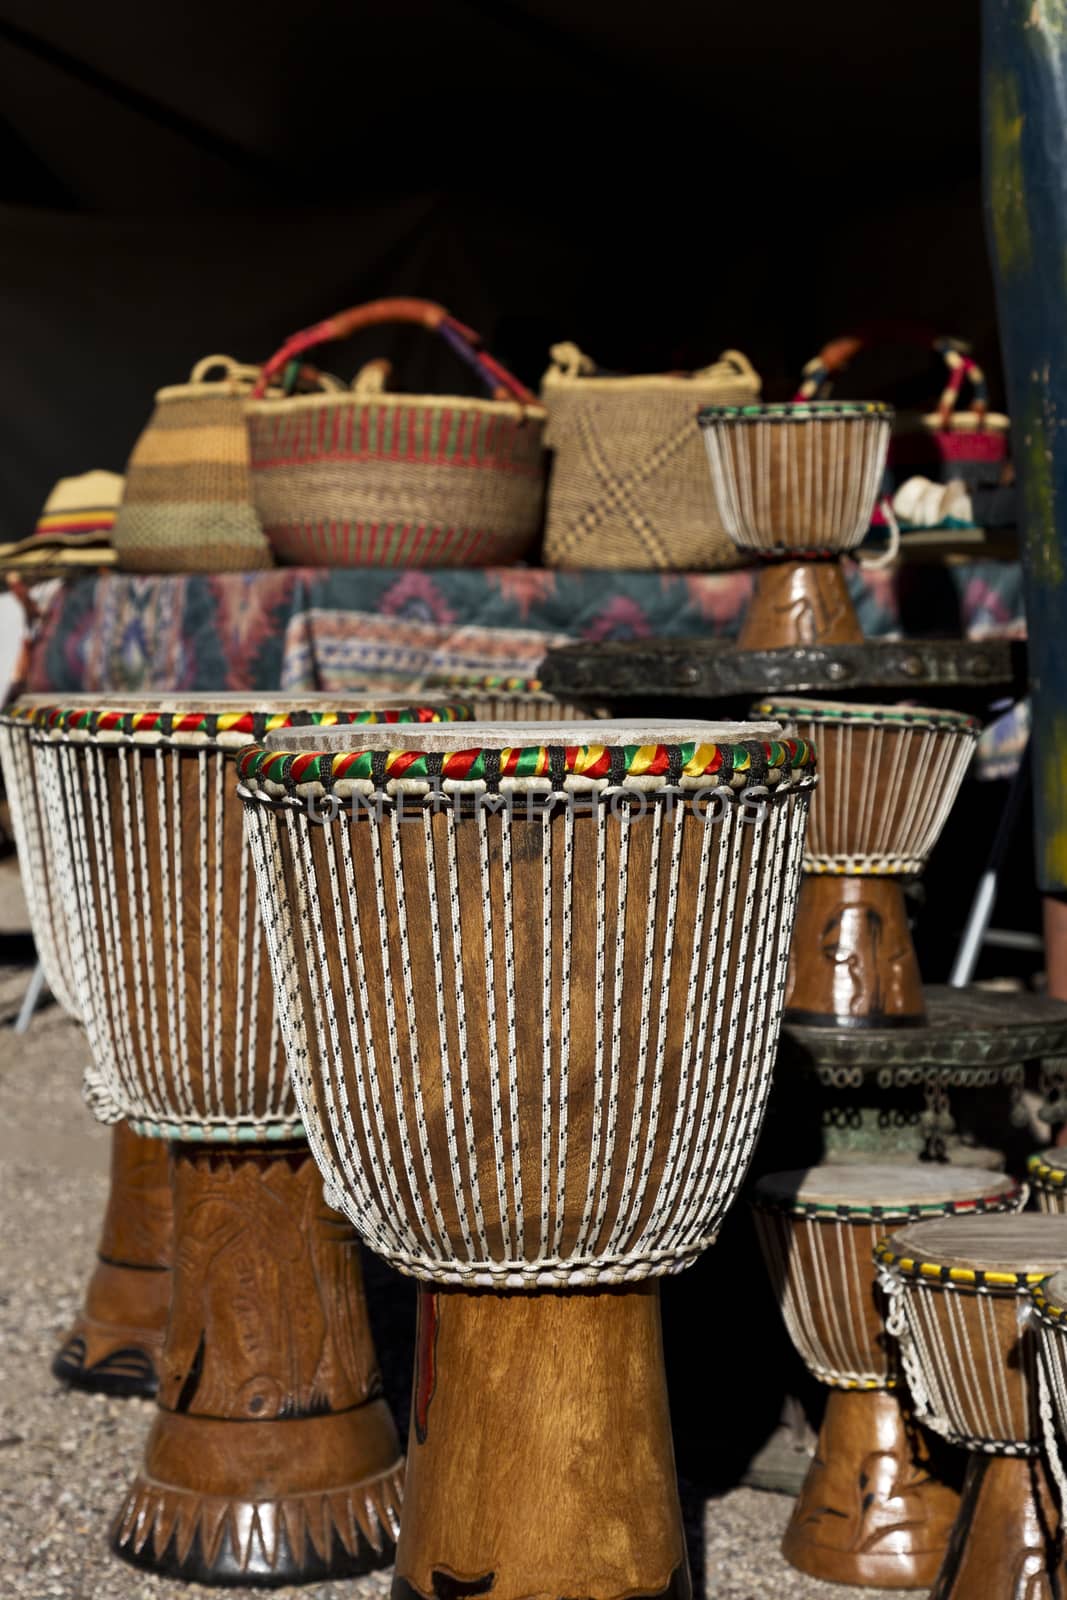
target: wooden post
1025 133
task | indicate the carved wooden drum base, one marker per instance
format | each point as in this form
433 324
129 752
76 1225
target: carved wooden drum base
273 1458
1006 1542
852 962
802 603
870 1512
116 1342
540 1459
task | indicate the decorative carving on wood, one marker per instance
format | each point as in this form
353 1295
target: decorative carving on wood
273 1457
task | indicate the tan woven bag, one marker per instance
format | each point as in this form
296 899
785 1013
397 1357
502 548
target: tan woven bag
188 500
630 485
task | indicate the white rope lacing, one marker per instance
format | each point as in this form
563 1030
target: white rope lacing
956 1367
31 829
1052 1395
421 1100
782 485
127 864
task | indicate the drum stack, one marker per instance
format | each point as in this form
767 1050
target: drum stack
530 981
886 1064
879 1500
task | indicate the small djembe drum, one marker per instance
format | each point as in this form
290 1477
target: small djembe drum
888 778
530 981
874 1509
273 1456
795 487
1047 1175
958 1288
115 1343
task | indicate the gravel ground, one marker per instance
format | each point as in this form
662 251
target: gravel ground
65 1457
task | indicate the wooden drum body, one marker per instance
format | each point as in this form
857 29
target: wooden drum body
878 1503
959 1292
888 778
796 486
273 1457
114 1344
530 991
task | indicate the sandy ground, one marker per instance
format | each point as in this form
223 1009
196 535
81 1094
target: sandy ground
65 1457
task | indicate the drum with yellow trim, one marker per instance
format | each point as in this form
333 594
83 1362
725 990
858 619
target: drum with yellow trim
959 1291
818 1228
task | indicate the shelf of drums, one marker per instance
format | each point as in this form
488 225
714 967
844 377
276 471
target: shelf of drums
933 1312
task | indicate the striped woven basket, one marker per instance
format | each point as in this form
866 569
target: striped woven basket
187 505
368 479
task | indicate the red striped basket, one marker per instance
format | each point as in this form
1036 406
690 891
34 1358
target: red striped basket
369 479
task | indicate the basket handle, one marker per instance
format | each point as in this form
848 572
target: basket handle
962 368
502 384
231 371
835 357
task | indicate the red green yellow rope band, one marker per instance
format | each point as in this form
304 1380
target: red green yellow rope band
235 726
763 762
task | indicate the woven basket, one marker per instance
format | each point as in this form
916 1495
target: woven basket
630 483
188 506
368 479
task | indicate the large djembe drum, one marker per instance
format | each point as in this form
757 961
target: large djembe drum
273 1456
875 1508
959 1292
888 778
795 486
530 980
116 1340
1047 1175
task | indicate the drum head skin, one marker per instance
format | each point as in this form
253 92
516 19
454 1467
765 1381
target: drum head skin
507 735
867 1189
1015 1247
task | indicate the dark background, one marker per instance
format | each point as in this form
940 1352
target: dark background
656 179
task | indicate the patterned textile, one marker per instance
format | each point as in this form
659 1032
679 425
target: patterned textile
299 628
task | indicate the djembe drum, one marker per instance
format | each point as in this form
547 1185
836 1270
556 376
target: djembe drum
873 1509
958 1288
888 778
530 988
273 1456
795 486
115 1343
1047 1174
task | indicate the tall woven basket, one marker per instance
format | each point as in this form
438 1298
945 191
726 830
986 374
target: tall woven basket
187 505
368 478
629 484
